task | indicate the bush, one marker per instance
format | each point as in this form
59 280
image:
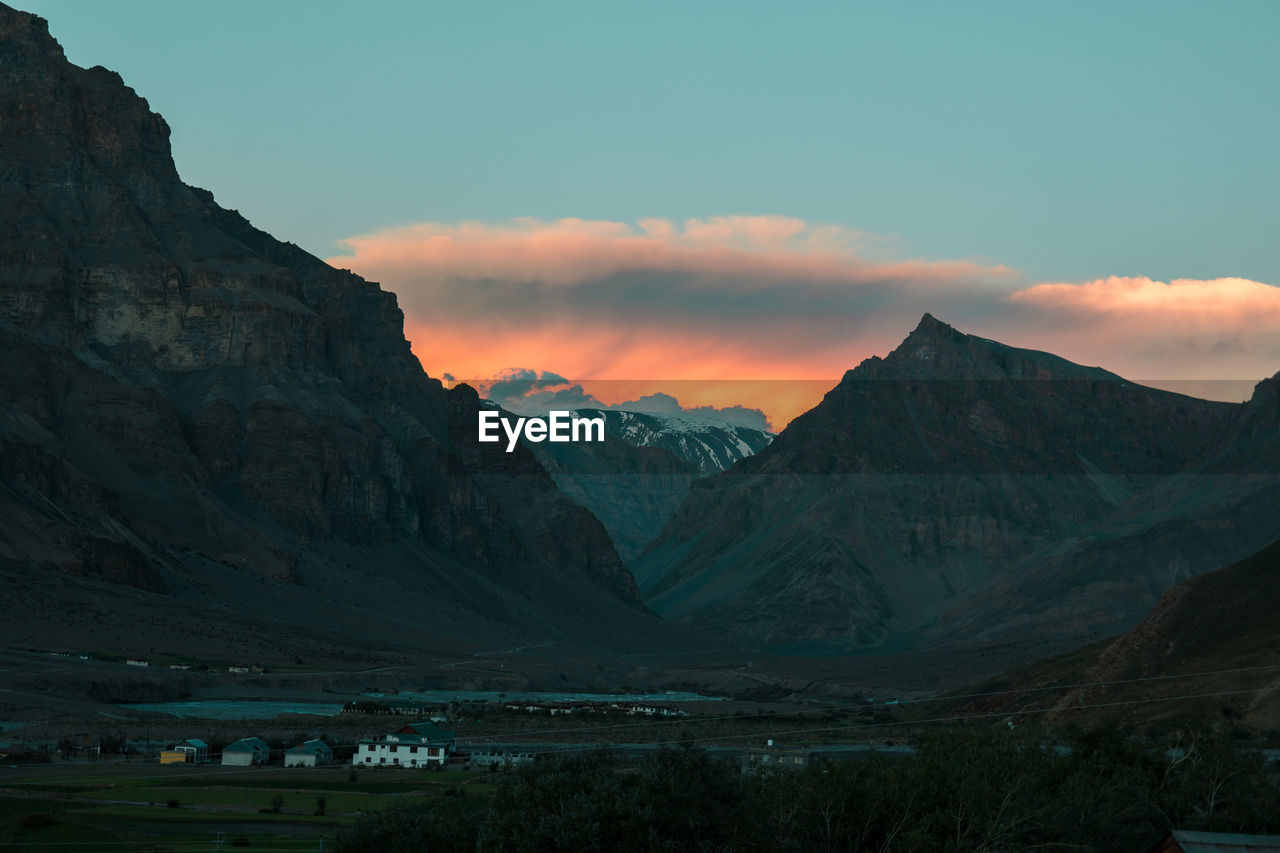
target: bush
963 789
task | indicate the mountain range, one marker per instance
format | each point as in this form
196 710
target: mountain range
960 491
210 439
213 443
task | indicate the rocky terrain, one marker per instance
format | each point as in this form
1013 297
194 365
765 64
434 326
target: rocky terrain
211 439
1207 650
214 447
635 481
962 491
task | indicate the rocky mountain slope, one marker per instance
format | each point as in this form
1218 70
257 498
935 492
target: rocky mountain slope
198 418
1206 650
963 491
635 480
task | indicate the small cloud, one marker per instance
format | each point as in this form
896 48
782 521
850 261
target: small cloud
534 392
664 404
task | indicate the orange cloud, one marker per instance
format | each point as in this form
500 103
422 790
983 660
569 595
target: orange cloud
725 299
573 251
720 298
1181 329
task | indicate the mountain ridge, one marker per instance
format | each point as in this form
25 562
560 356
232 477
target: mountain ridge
952 465
186 397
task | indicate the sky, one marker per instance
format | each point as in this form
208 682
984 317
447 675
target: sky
735 191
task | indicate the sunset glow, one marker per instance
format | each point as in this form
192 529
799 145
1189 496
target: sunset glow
769 312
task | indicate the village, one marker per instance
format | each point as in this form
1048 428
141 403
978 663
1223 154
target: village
419 744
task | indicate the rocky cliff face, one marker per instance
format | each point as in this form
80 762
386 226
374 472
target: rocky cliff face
956 489
180 388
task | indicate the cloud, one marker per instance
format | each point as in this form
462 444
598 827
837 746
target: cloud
772 309
721 297
1184 328
534 392
576 251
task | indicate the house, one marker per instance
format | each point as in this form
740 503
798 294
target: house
190 751
414 745
246 751
309 753
196 748
137 662
1186 841
772 757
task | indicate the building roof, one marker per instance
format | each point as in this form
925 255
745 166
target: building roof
1188 841
196 742
309 747
248 744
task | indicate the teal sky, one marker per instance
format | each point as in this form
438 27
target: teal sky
1068 140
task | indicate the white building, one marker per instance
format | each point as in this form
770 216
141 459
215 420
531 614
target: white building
415 745
310 753
246 751
196 749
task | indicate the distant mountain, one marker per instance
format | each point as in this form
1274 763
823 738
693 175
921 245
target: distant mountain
963 491
211 439
635 481
710 444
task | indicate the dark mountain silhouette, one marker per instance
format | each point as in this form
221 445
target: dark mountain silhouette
213 443
209 437
963 491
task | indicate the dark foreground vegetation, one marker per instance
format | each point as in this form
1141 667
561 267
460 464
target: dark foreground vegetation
961 791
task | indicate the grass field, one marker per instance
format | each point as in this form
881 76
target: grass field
129 807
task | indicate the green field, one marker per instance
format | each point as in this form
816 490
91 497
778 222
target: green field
178 809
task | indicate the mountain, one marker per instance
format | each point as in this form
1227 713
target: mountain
963 491
635 480
1225 619
211 440
1217 509
710 445
1212 638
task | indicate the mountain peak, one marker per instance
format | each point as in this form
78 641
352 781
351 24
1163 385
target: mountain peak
12 19
937 350
932 325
